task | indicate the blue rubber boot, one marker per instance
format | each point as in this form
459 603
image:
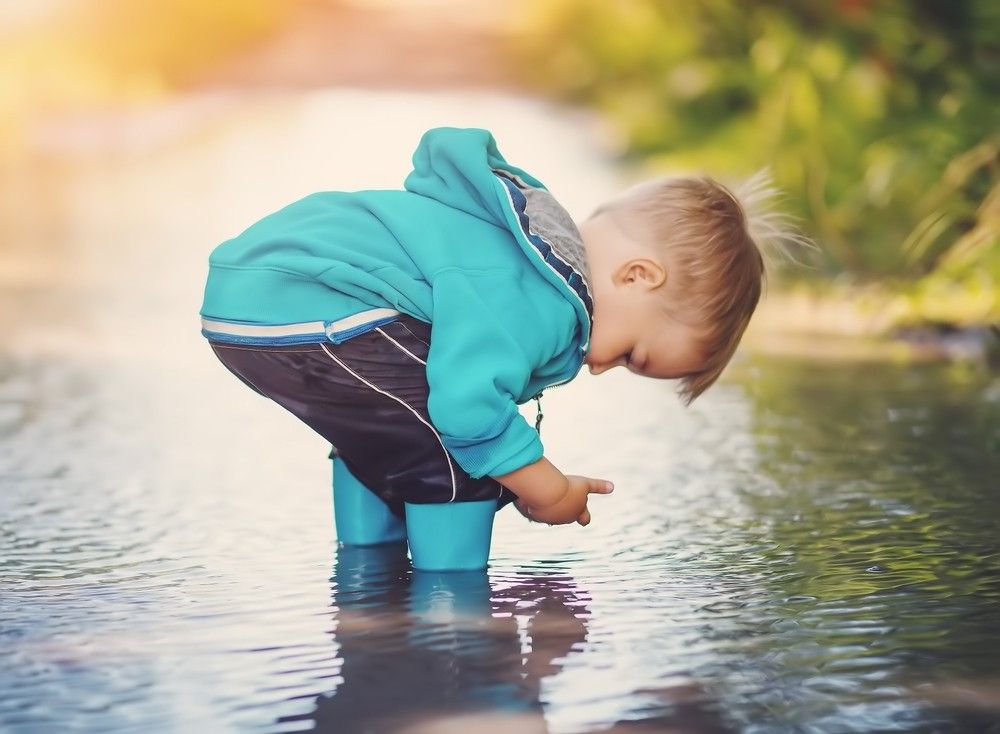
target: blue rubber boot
451 536
361 517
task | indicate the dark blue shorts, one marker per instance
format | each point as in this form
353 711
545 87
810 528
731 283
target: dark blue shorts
367 396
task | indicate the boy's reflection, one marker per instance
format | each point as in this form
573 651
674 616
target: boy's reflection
418 647
436 653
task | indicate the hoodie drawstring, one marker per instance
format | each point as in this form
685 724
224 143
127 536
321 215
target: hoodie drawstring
539 415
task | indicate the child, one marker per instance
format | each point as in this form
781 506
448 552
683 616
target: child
406 326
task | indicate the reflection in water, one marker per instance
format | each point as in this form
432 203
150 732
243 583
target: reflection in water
430 651
419 646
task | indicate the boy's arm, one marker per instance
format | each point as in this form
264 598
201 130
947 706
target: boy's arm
547 495
479 361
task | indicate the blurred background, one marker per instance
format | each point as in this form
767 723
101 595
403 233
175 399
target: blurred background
812 546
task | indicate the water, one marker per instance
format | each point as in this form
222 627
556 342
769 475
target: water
812 547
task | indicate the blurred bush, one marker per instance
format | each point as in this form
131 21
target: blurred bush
879 117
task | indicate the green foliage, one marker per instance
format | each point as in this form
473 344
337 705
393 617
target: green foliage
878 117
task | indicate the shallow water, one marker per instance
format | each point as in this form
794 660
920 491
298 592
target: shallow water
811 547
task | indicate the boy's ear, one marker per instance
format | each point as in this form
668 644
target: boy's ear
643 271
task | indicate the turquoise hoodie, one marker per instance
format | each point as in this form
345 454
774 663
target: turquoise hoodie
473 245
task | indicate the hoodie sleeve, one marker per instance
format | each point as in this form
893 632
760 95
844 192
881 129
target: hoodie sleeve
476 369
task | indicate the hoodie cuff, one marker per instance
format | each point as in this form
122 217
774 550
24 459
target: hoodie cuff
515 446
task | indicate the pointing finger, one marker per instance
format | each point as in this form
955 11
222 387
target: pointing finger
600 486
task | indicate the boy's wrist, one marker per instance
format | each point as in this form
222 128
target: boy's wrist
567 510
570 507
539 484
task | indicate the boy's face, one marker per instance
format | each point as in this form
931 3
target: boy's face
631 330
631 327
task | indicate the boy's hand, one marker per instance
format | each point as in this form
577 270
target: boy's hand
573 508
547 495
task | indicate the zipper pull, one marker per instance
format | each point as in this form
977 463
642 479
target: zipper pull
539 415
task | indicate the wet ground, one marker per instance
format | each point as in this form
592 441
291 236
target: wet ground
811 547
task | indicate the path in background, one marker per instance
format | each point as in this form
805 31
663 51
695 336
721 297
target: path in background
414 43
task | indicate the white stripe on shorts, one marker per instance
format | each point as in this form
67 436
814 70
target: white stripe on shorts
376 388
379 330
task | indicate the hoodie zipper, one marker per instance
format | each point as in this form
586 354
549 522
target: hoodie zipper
538 403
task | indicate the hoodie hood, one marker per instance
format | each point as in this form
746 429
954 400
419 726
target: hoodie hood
464 169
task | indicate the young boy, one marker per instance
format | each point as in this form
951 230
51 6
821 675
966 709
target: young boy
406 326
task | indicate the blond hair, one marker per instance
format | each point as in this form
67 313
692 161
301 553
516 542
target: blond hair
716 241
